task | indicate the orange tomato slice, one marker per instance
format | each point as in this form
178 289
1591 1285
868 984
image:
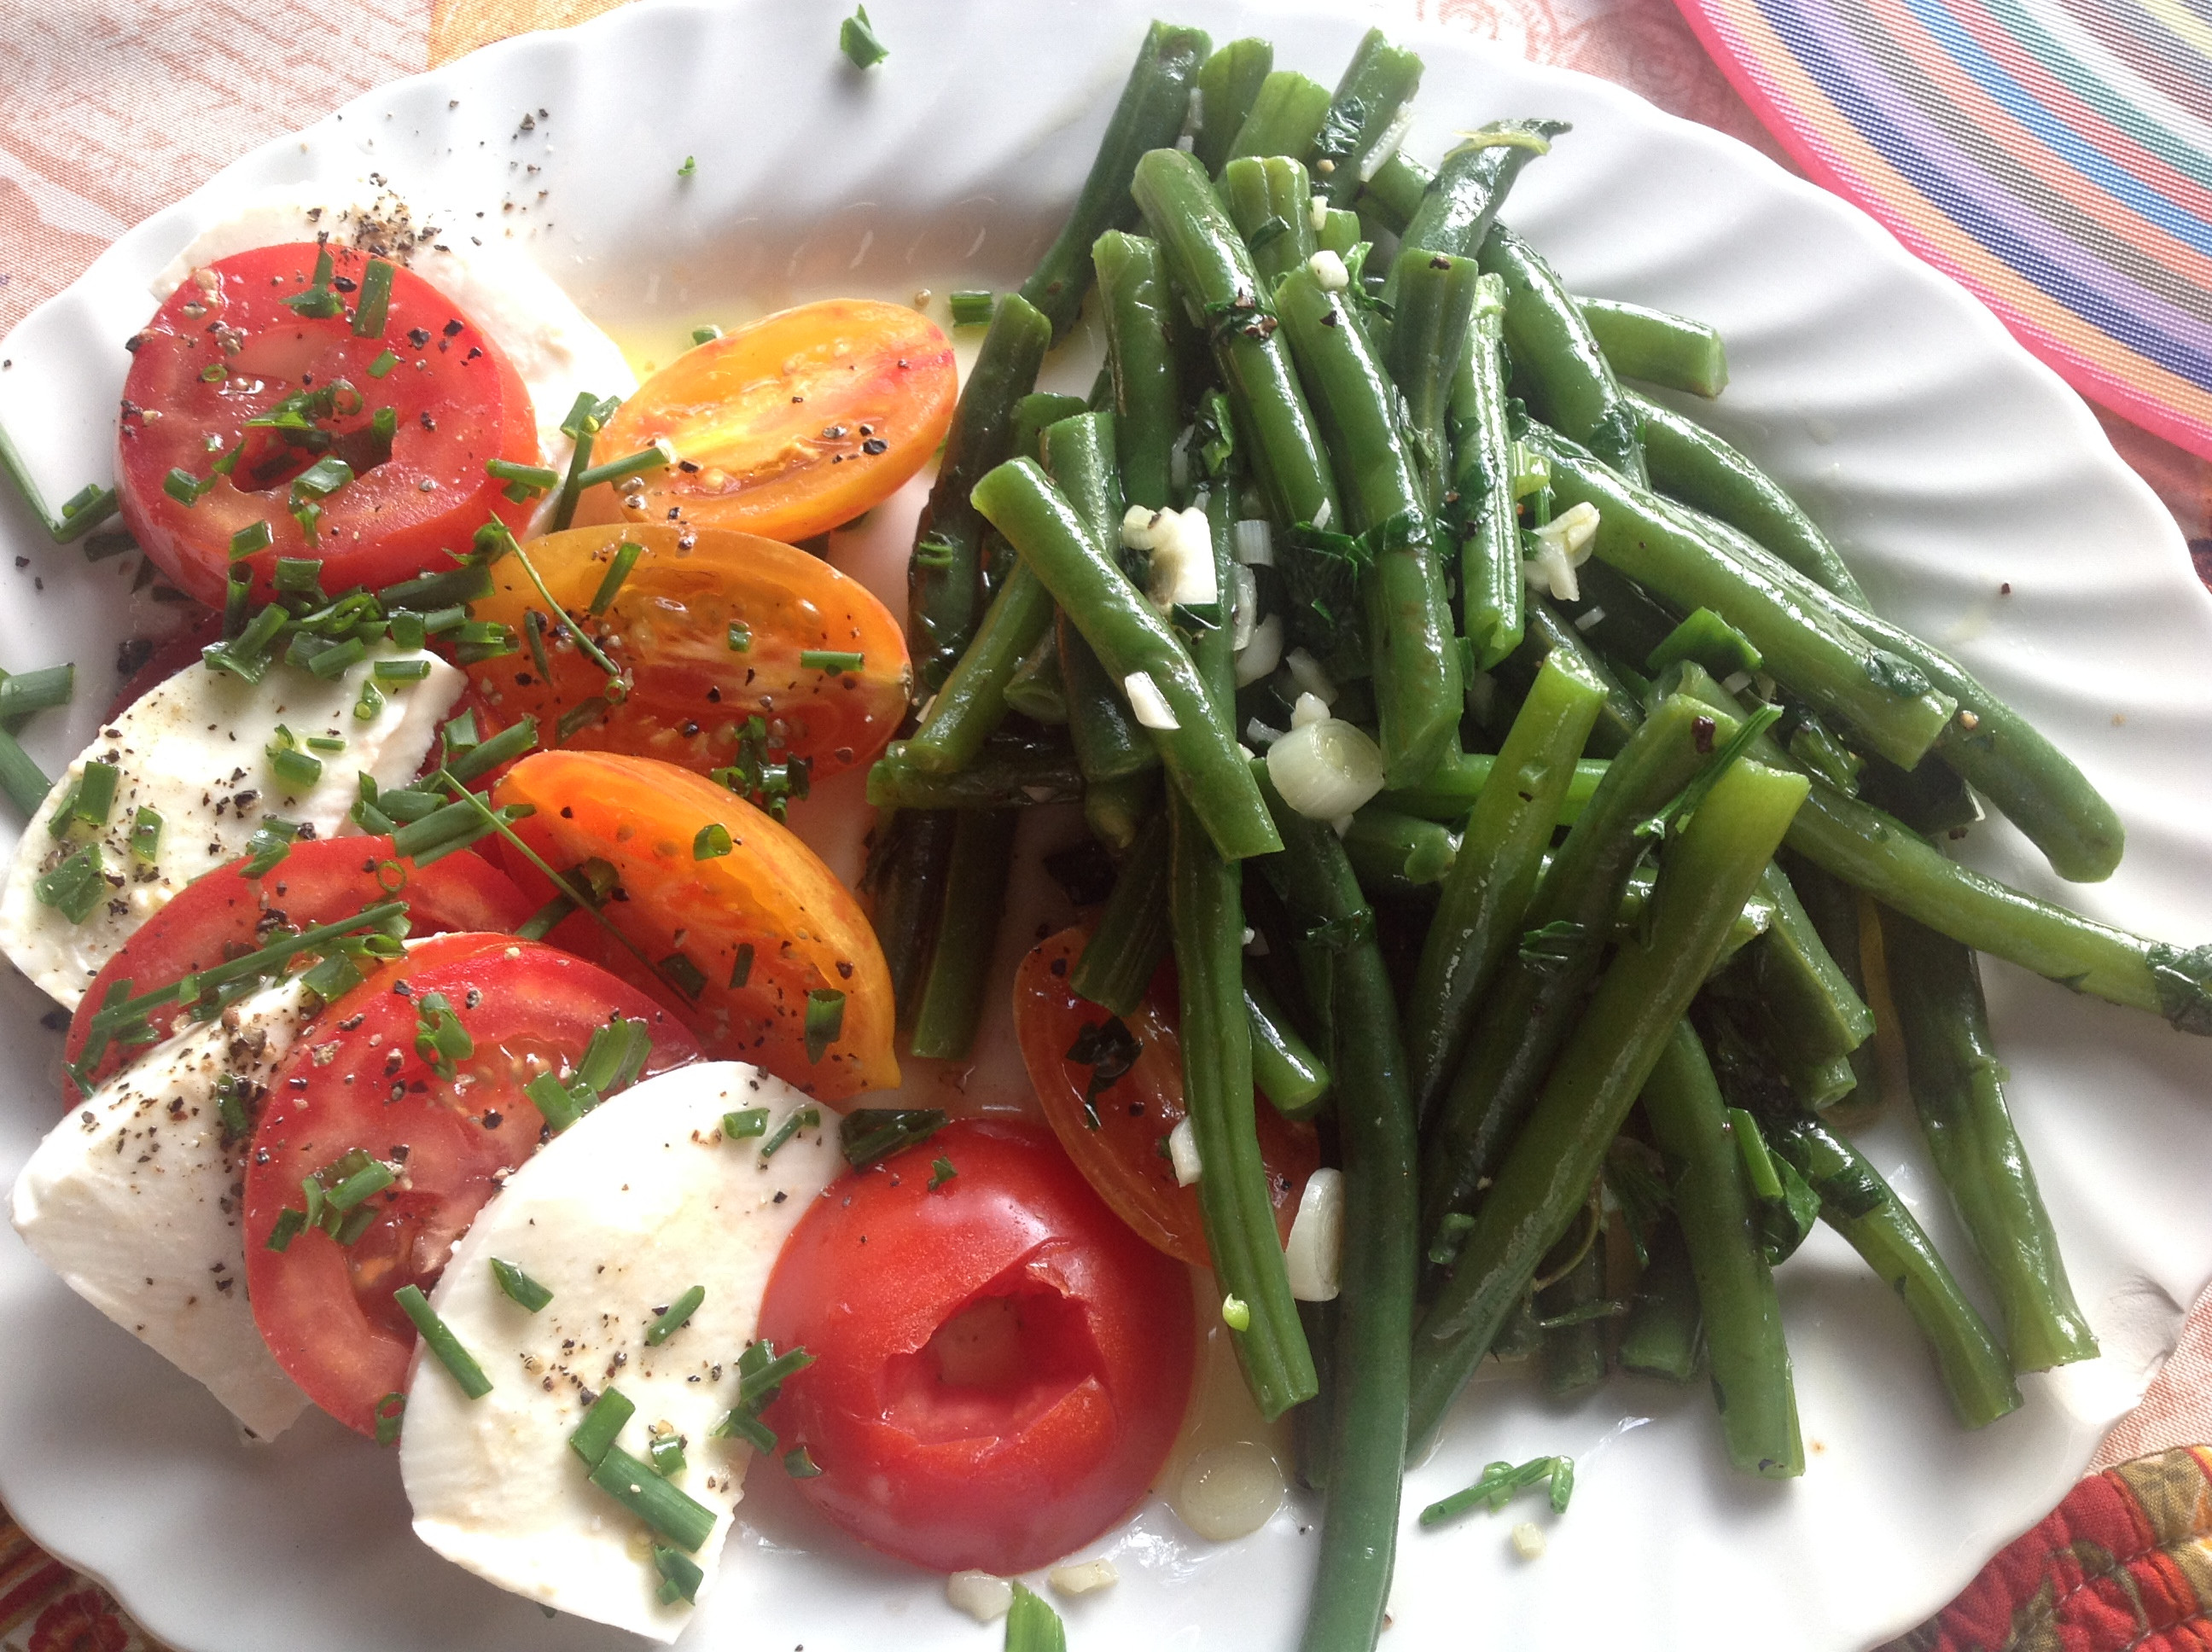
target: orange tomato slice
788 426
824 664
743 944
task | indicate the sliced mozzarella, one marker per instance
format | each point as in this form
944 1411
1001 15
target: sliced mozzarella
618 1217
538 327
133 1199
194 749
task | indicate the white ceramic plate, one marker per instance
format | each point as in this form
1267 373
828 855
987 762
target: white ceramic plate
1944 460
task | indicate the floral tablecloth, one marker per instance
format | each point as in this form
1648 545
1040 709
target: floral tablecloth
114 111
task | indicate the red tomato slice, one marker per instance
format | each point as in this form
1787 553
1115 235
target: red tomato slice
225 913
326 1309
224 350
669 626
788 426
1000 1369
742 940
1124 1154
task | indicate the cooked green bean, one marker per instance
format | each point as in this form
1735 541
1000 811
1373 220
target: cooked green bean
1362 126
1957 1086
1108 745
1227 87
1706 876
1807 647
1814 1008
1663 1335
1486 896
1208 259
1004 775
1116 809
1574 1338
944 580
1833 906
1395 854
1689 463
1491 584
1523 1021
961 715
1451 788
1418 689
1552 349
1270 200
1285 116
1035 689
1132 286
1374 1308
1393 194
1340 232
1757 914
1289 1074
975 894
907 861
1155 102
1456 214
1436 306
1657 346
1131 638
1547 632
1742 1315
1119 960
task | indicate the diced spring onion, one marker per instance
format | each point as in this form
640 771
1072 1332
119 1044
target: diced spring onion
1326 770
440 1341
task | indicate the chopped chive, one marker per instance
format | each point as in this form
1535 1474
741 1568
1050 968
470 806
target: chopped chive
553 1101
321 479
762 1373
368 310
1563 1482
96 793
625 559
869 1133
518 1286
25 782
856 39
289 1223
401 671
534 627
941 1171
442 1342
658 457
706 335
712 843
684 974
1758 1164
75 886
680 1575
440 1038
674 1317
390 1410
1032 1625
745 1122
330 744
616 1055
370 705
799 1464
471 582
741 637
370 1178
830 659
488 755
332 979
799 1119
681 1519
459 732
185 487
318 302
334 662
230 1107
498 542
255 536
295 771
525 482
1500 1482
971 308
690 166
825 1020
299 576
602 1423
214 373
543 922
579 717
741 966
40 690
383 364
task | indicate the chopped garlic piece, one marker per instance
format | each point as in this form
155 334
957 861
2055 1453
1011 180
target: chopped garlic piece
1563 544
1306 671
1310 708
1529 1539
1149 705
1084 1578
1328 270
1315 1253
1182 1153
981 1596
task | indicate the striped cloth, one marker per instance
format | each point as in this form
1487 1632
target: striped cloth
2054 155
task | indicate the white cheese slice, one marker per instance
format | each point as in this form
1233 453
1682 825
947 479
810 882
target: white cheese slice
194 749
618 1217
538 327
134 1199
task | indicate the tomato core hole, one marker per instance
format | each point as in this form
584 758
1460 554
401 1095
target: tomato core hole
999 1361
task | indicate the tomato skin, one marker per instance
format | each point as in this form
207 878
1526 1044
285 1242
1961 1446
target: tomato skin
1124 1157
1071 1407
317 881
770 893
668 630
458 401
755 412
356 1081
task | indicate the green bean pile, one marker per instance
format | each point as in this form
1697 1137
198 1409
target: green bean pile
1649 807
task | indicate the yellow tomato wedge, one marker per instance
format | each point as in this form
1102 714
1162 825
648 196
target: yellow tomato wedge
711 628
752 942
788 426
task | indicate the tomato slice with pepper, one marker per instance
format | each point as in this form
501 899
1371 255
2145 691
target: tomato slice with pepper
711 629
1000 1364
226 914
1134 1092
725 916
249 410
453 1124
788 426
